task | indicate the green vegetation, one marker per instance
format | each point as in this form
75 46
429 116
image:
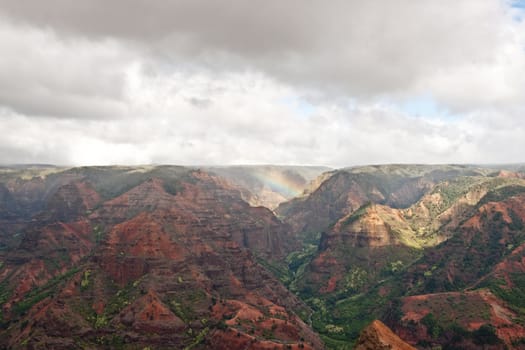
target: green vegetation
298 259
396 266
340 316
111 341
356 215
101 321
355 279
23 306
486 334
337 317
84 284
450 191
472 253
371 281
501 193
41 293
297 264
515 296
98 233
278 269
5 293
516 223
198 339
182 310
184 303
120 300
433 327
356 313
172 187
452 335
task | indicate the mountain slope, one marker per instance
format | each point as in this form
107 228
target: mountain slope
135 257
346 190
174 257
370 258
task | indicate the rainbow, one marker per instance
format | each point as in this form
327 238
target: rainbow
280 182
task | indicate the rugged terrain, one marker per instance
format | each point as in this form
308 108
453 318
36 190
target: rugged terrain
174 257
425 248
134 257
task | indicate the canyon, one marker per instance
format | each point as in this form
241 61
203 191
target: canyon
262 257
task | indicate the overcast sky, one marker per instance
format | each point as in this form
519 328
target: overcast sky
334 83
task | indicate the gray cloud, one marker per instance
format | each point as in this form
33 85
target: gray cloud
43 75
200 81
353 47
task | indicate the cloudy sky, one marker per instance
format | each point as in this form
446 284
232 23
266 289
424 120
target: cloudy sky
336 83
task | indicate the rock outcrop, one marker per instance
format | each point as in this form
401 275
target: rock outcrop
377 336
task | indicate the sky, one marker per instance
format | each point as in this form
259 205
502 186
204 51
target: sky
208 82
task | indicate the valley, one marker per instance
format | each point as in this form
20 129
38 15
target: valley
262 257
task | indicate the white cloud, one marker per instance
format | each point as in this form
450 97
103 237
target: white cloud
202 83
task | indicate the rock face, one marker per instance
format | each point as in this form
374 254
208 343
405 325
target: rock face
359 248
373 226
145 257
377 336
